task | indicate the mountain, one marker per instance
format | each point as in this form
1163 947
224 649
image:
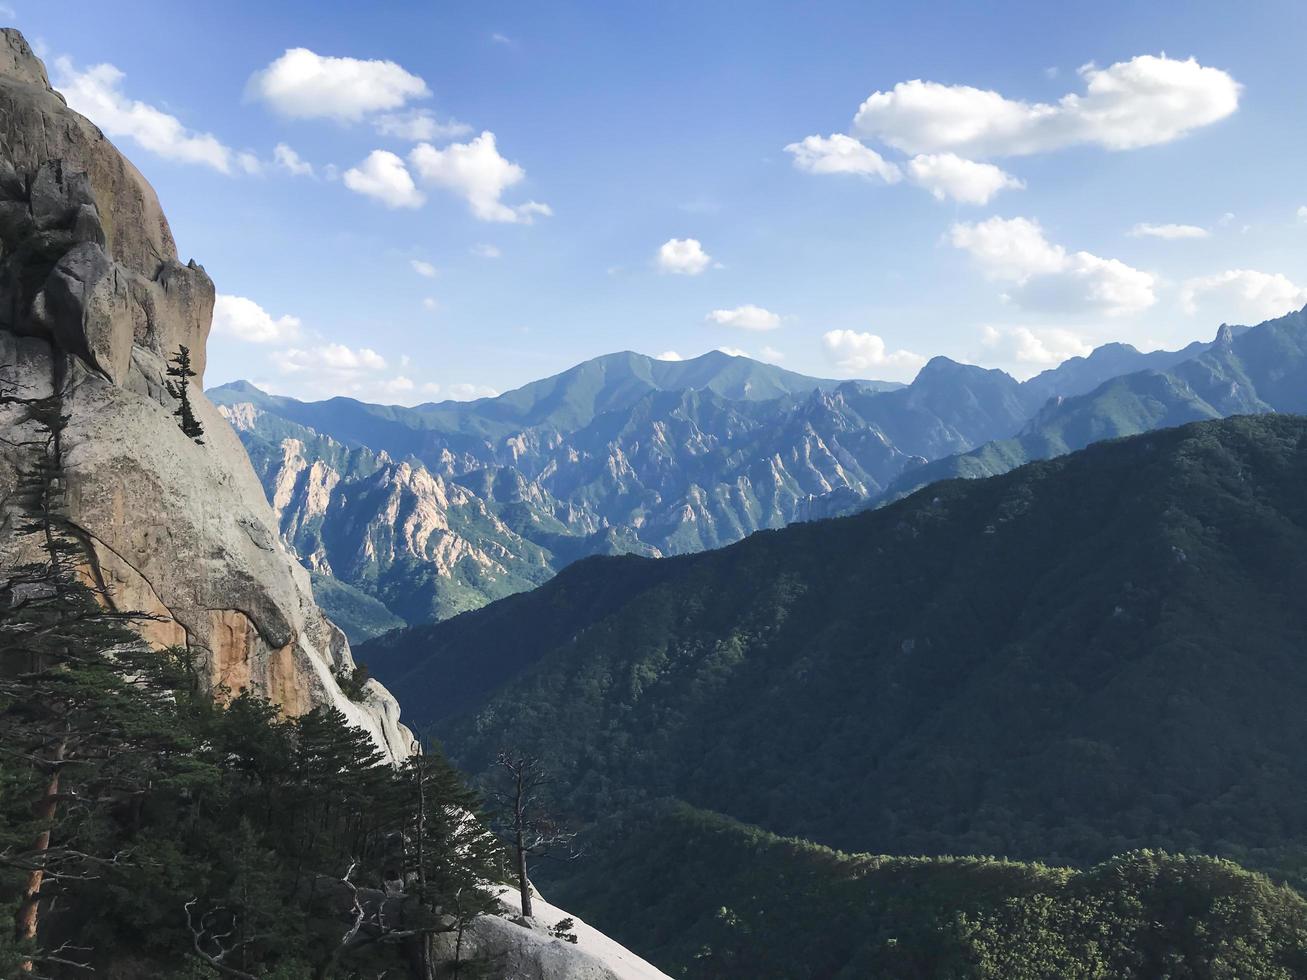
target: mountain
622 454
190 752
1080 657
1245 370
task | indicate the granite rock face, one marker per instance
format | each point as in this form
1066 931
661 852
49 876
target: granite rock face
93 303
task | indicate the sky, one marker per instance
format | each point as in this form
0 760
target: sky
413 201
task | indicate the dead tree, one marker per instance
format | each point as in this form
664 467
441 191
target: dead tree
526 821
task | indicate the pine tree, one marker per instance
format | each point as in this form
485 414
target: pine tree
65 669
180 368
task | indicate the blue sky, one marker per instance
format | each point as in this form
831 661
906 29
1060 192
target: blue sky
1063 175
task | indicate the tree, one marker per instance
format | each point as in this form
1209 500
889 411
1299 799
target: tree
65 660
180 368
525 820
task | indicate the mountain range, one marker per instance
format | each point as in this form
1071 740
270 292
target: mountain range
1080 658
406 515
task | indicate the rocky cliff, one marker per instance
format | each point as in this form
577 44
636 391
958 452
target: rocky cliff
93 303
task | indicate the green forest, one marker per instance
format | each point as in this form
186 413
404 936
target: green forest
149 829
1083 658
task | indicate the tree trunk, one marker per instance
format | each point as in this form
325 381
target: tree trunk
522 883
28 915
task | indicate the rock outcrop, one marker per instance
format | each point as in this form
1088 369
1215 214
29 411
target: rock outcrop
93 303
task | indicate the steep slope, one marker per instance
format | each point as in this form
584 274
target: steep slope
403 544
1245 370
94 303
1079 657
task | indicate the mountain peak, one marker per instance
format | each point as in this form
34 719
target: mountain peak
19 62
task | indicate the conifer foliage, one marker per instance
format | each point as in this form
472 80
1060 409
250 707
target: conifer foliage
144 822
180 368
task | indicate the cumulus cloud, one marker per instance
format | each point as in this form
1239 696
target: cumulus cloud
419 124
771 355
467 392
855 353
290 161
1030 350
244 319
747 317
1047 277
668 355
683 256
97 94
1147 100
486 251
476 171
733 351
330 359
1302 213
947 175
1242 296
840 154
304 85
424 269
1169 232
383 177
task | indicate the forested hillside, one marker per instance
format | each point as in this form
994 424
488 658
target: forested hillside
712 898
1081 657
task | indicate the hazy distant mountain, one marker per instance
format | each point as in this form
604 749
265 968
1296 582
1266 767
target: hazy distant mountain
1245 370
621 454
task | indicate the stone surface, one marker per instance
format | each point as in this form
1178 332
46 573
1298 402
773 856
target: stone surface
530 952
93 301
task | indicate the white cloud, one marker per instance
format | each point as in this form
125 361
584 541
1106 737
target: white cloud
1169 232
748 317
304 85
840 154
291 162
430 304
668 355
329 362
733 351
486 251
855 353
477 172
1142 102
467 392
244 319
683 256
1302 213
249 163
424 269
1030 350
1242 296
502 39
770 354
384 177
947 175
96 94
1047 277
419 124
